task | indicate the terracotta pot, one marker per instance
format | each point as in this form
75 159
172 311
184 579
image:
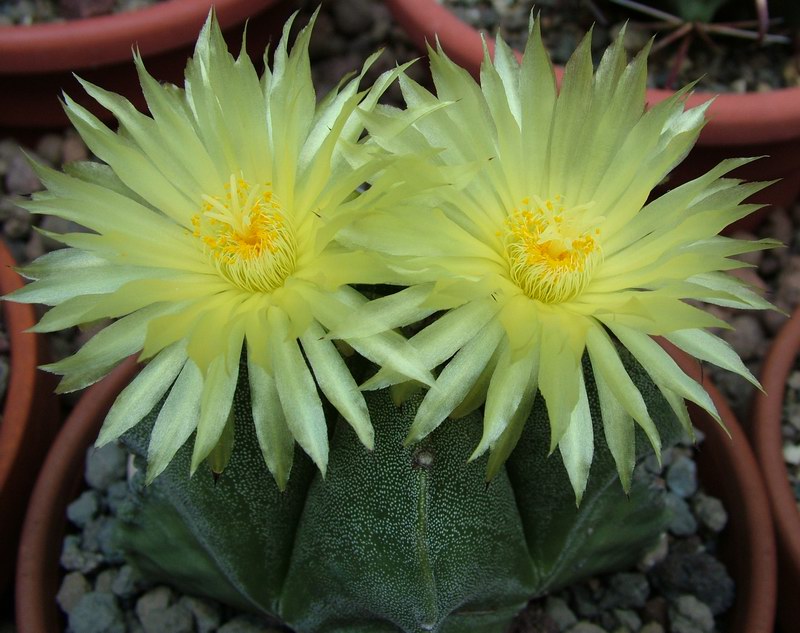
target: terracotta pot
30 416
727 469
37 62
753 124
767 443
58 483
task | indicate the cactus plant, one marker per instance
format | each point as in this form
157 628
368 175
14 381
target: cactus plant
401 538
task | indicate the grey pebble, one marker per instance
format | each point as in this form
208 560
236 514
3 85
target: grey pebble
682 477
682 522
697 573
791 453
84 508
746 337
97 613
74 148
73 587
17 221
626 590
116 495
710 511
98 536
657 553
207 614
127 582
585 601
788 292
73 558
157 613
49 148
105 465
586 627
689 615
630 620
352 17
85 8
559 612
156 599
20 178
105 580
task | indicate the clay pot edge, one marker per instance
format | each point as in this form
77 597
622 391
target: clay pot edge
751 118
103 40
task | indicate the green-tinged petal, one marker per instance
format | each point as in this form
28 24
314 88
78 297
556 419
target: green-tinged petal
454 382
509 384
505 444
336 383
573 103
274 436
577 443
560 351
662 369
705 346
106 349
619 430
176 421
143 393
740 294
442 338
678 405
387 313
537 86
476 396
297 391
388 349
608 369
178 323
58 285
219 385
130 164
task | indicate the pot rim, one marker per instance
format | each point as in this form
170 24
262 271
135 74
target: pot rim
755 118
767 439
102 40
36 580
23 357
59 477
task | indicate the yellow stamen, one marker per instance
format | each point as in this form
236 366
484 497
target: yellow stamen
551 253
247 236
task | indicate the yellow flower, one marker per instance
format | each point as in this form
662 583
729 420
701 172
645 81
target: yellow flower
545 247
213 228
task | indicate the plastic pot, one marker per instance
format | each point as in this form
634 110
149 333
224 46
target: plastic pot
37 61
753 124
727 468
30 416
767 444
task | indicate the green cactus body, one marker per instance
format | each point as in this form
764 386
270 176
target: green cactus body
405 539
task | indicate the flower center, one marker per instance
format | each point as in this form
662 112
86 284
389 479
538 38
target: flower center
551 252
247 237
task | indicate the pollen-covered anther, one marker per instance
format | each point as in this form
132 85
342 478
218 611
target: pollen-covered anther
551 253
247 236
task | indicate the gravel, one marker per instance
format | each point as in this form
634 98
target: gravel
27 12
728 65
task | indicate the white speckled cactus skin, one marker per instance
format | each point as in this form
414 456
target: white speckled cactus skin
398 539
